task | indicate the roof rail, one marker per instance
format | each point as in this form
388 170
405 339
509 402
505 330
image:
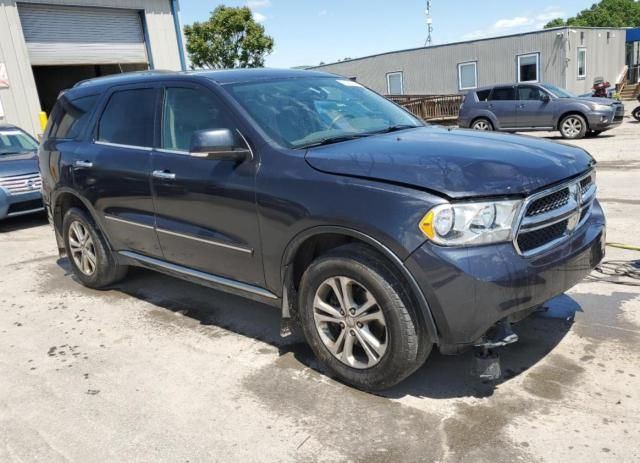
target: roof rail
124 75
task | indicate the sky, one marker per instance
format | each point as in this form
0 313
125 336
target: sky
307 32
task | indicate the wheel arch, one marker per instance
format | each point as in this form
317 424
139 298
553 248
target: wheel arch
300 252
62 201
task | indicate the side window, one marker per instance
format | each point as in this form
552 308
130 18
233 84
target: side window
483 95
187 110
71 116
395 84
529 93
128 118
503 93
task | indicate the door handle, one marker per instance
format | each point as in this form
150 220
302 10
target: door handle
521 105
84 164
165 174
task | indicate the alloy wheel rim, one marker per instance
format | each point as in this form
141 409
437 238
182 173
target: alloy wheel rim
82 248
481 125
572 126
350 322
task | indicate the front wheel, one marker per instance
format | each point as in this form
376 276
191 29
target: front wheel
354 315
90 256
573 126
636 113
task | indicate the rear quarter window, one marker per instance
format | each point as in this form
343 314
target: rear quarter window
70 117
483 95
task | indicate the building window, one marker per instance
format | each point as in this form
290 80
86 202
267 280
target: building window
582 63
529 67
467 76
394 83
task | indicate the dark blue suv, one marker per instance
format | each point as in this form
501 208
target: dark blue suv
379 236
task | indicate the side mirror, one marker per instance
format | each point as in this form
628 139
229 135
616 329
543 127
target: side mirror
546 98
220 144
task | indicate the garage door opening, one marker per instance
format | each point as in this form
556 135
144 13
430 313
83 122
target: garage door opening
51 80
68 44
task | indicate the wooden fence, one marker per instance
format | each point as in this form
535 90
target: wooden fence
430 107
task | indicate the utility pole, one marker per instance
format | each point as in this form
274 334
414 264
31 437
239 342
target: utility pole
427 43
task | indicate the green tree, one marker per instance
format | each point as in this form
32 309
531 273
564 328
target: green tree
231 38
607 13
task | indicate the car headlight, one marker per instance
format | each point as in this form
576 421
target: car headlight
471 223
601 107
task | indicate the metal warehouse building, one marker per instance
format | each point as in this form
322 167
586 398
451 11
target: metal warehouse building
49 45
567 57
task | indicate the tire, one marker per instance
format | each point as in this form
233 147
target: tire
573 127
83 239
636 114
404 344
482 124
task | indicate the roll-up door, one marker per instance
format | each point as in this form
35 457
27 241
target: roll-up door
67 35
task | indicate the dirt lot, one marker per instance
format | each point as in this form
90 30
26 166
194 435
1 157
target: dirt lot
159 369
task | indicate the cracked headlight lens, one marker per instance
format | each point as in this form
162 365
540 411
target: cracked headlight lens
471 223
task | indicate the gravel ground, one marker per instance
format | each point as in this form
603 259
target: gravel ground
162 370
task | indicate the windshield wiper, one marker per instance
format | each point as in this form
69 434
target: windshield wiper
396 128
337 139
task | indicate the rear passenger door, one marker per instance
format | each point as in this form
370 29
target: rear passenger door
119 165
502 103
206 210
532 110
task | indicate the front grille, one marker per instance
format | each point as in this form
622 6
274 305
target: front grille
585 183
535 239
25 206
548 203
551 217
18 184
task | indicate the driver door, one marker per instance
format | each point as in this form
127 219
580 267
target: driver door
206 214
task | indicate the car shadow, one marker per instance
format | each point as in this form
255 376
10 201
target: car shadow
440 377
23 222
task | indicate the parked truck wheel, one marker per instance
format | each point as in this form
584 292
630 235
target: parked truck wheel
90 256
355 317
573 126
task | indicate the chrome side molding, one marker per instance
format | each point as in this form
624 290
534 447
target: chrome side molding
191 273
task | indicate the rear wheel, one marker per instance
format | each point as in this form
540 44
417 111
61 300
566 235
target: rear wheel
482 124
90 256
636 113
355 318
573 126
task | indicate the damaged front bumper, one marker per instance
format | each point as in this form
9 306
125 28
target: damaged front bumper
471 289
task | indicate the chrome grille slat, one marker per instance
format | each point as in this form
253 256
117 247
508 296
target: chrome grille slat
24 183
550 217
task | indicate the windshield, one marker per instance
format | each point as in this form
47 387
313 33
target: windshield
303 112
16 142
559 92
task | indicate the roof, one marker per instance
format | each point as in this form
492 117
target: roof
226 76
484 39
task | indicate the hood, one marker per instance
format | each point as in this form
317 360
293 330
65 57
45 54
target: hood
594 99
18 164
457 163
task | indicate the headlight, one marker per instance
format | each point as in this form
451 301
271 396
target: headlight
470 223
601 107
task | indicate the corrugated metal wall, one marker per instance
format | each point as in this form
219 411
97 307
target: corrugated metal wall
58 35
605 50
434 70
20 101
